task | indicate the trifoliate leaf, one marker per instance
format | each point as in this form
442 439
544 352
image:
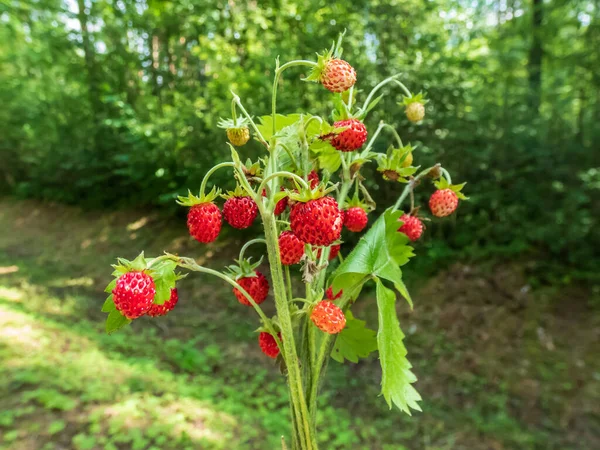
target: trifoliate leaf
355 341
379 252
115 321
396 377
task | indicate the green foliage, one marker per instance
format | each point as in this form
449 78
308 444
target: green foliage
379 253
130 119
396 377
355 341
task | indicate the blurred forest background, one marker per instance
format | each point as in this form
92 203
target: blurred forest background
111 106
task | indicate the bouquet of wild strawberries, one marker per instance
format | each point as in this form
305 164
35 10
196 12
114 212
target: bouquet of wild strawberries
306 188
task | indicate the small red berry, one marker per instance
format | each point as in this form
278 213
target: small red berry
443 202
328 317
257 287
161 310
338 75
355 219
204 222
313 179
134 293
281 205
330 296
318 221
412 227
240 212
291 248
268 344
352 138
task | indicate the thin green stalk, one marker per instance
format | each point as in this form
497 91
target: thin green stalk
210 172
288 281
295 177
411 185
395 133
238 102
287 332
190 264
278 71
404 88
372 140
248 244
447 175
376 88
233 114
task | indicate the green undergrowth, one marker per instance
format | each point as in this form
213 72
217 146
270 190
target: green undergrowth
498 367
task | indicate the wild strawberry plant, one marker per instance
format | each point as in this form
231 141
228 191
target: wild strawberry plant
306 189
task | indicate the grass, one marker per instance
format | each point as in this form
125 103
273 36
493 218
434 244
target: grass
499 367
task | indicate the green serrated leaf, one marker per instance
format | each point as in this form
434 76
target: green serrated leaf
165 278
396 376
355 341
109 305
115 321
380 252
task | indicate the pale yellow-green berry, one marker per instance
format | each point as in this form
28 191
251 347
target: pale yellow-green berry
415 112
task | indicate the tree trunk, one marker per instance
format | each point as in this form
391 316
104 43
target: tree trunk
90 63
536 54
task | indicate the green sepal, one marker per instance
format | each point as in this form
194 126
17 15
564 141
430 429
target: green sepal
418 98
394 162
237 192
109 305
243 269
115 321
304 195
164 276
228 124
442 183
191 199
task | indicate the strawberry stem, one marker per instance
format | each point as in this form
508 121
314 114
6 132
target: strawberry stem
248 244
237 101
210 172
411 185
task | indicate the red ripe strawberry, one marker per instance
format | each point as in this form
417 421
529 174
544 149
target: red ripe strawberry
443 202
281 205
338 75
412 227
268 344
333 251
313 179
204 222
240 212
328 317
352 138
355 219
291 248
330 296
318 221
134 293
257 287
161 310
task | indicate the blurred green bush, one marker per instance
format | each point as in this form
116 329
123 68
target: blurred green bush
115 103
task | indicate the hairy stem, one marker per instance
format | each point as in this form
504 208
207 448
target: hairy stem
210 172
411 185
248 244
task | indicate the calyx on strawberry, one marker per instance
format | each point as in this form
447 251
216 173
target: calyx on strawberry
268 344
332 72
253 281
237 130
444 201
141 285
415 107
204 217
291 248
352 138
396 164
412 226
239 209
316 218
